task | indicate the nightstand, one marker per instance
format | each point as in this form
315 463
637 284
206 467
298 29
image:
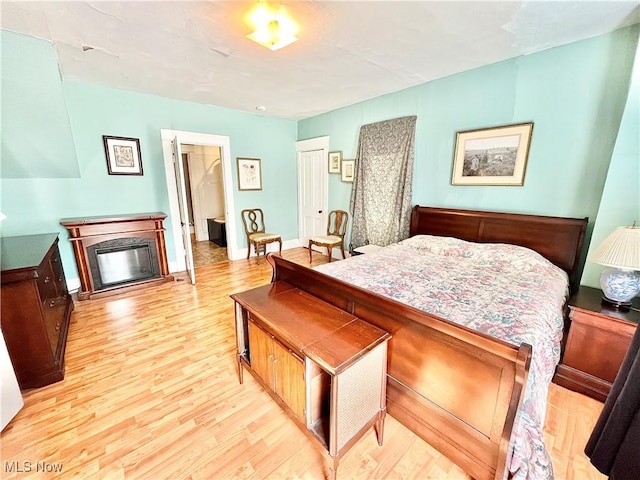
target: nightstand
597 341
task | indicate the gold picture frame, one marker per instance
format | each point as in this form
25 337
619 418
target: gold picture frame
348 170
492 156
335 159
249 173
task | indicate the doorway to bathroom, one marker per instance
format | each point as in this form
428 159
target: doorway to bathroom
202 166
204 189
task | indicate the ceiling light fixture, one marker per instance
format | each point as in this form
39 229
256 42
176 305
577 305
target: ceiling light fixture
273 29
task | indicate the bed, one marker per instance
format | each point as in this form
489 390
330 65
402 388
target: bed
460 389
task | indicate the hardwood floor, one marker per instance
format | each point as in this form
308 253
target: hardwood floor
151 391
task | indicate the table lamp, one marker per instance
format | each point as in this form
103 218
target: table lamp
621 252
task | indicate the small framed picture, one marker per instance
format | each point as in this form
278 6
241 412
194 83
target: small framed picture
348 170
335 158
123 155
249 174
492 156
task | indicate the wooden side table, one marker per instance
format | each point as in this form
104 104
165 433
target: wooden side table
325 367
597 341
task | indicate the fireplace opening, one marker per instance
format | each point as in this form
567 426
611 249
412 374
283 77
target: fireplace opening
122 261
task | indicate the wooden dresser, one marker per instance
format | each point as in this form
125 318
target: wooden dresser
598 338
35 307
325 367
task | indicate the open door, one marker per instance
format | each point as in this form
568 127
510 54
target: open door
182 205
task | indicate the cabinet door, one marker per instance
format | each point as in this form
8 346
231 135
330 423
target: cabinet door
597 345
261 353
289 380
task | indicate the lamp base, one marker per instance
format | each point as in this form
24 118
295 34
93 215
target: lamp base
616 303
619 286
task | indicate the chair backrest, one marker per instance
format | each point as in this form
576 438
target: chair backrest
337 223
253 220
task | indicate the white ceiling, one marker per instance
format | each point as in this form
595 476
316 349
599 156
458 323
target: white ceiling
348 51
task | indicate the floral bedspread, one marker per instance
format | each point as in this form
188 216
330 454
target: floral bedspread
509 292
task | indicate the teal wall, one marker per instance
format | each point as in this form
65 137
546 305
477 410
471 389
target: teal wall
36 205
32 100
620 203
574 94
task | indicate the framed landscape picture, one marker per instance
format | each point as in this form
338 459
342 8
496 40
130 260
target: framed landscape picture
492 156
123 155
249 174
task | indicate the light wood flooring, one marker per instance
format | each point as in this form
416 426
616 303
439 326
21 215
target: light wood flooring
151 392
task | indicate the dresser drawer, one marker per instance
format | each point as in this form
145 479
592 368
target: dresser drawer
58 275
46 282
53 311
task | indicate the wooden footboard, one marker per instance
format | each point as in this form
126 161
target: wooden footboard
456 388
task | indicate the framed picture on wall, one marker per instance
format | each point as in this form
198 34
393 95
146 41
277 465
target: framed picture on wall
249 174
335 158
123 155
492 156
348 167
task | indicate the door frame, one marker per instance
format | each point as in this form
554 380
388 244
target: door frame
183 209
195 201
312 144
194 138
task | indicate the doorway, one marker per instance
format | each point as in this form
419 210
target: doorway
313 188
202 181
204 190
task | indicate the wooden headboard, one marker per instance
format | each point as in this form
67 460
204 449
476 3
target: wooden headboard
558 239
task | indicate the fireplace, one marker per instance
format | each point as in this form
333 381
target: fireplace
118 253
122 261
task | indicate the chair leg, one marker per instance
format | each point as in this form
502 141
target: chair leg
280 248
248 249
329 251
342 250
258 253
310 243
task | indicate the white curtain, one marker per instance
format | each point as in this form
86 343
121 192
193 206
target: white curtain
381 193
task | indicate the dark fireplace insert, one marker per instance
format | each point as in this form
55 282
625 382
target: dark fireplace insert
122 261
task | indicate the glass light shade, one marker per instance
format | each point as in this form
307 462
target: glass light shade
273 29
621 252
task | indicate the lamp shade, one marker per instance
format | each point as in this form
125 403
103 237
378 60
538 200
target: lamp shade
621 249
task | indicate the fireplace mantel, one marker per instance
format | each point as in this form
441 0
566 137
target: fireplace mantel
87 233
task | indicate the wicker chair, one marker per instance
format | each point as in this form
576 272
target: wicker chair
336 229
253 220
